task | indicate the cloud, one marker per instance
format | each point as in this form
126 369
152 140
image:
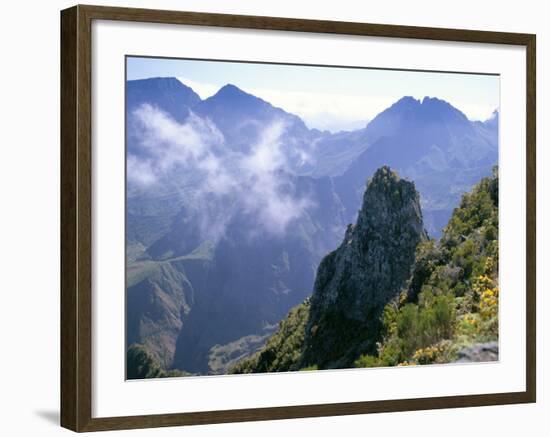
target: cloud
139 171
169 143
221 183
267 188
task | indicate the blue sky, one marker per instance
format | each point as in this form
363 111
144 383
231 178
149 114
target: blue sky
327 98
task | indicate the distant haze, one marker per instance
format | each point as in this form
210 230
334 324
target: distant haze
231 202
331 99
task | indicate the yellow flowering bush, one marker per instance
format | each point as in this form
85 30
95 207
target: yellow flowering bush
435 353
486 291
426 355
406 363
470 320
488 306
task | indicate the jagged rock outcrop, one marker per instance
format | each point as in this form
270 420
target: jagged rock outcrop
371 266
358 279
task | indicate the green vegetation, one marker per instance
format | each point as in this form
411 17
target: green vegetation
449 302
223 357
367 361
308 368
283 351
452 297
140 364
159 296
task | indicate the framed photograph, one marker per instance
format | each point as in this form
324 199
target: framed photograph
269 218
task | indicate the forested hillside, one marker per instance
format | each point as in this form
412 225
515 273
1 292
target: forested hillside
447 300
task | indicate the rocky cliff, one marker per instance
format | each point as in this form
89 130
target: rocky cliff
353 283
358 279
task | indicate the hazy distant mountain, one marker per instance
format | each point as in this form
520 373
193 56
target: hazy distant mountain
491 124
239 114
167 93
431 143
242 118
232 203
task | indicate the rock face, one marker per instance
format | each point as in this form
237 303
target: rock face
479 353
370 267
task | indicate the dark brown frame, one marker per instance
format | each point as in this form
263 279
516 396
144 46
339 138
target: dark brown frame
76 219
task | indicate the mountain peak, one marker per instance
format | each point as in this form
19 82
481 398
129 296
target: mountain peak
421 117
427 100
167 93
230 91
427 106
370 267
494 116
443 109
387 194
384 175
161 83
230 88
440 105
242 116
492 121
405 102
234 97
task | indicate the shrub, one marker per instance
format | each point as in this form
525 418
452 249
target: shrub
367 361
452 296
308 368
140 364
437 353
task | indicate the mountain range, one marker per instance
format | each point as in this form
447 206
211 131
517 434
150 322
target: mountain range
232 203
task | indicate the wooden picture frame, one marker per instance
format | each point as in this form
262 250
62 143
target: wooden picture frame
76 217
